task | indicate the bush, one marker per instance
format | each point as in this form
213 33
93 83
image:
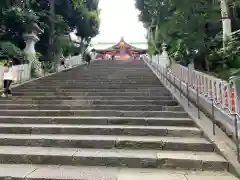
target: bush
3 61
12 51
68 47
21 18
39 56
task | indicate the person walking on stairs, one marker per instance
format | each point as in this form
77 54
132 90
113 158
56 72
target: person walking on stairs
9 76
113 57
88 58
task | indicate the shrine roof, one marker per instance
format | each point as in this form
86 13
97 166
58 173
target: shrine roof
114 46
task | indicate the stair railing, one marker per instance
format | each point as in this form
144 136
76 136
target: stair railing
219 93
24 70
211 88
23 73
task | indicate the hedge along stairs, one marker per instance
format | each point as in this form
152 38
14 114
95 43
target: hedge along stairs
112 120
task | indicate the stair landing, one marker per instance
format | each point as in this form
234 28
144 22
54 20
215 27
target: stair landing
51 172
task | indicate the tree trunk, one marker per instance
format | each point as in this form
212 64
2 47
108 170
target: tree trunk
19 3
52 30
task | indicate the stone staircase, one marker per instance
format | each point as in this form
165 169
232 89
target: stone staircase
111 121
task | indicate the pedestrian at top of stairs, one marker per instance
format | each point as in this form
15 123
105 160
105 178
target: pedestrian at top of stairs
87 58
113 57
9 75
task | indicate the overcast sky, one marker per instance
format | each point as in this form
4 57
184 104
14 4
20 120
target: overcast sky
120 18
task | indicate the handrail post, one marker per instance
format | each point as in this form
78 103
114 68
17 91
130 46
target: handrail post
213 115
188 88
234 108
170 80
198 110
159 72
20 70
174 81
236 136
166 77
180 88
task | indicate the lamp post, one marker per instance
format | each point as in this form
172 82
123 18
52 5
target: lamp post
226 21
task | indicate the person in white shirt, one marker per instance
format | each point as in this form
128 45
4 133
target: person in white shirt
9 76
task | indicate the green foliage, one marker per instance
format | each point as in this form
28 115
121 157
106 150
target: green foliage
3 61
67 47
48 67
12 50
87 19
193 31
17 17
39 56
227 62
17 21
21 18
150 48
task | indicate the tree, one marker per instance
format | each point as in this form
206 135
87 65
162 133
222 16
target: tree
52 16
191 29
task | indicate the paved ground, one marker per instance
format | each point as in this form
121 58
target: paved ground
106 173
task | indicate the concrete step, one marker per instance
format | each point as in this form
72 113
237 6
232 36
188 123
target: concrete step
77 98
94 83
107 142
108 68
96 77
89 106
54 172
114 69
87 89
113 157
105 80
84 93
124 83
73 102
112 74
63 90
90 120
81 77
103 76
96 113
88 85
170 131
111 114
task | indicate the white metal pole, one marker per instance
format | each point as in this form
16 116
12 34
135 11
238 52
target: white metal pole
226 21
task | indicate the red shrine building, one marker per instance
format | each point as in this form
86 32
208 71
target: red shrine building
120 51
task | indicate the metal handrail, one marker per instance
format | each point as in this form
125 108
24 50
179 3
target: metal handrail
169 77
